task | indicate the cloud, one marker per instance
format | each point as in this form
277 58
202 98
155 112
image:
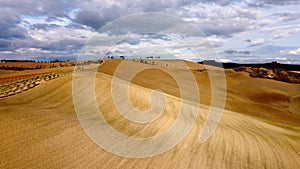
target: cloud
9 25
220 2
54 41
64 26
97 18
294 52
287 16
291 52
221 21
257 42
278 2
269 3
282 31
6 52
216 21
234 52
41 7
44 26
31 51
216 41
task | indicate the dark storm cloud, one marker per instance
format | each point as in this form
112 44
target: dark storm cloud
97 19
12 32
9 25
44 26
4 44
144 23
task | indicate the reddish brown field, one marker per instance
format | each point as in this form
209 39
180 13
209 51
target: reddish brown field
35 65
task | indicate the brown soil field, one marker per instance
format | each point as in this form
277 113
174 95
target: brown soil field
15 82
7 76
260 126
34 65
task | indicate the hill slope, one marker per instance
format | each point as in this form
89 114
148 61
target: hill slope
39 127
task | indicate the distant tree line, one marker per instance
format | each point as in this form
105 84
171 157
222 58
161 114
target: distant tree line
272 65
12 60
152 57
17 68
112 57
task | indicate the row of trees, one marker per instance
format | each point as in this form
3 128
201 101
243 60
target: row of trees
123 57
52 61
152 57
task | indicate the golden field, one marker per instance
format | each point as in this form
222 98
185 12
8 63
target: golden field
259 128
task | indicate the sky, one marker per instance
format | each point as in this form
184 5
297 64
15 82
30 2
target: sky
249 31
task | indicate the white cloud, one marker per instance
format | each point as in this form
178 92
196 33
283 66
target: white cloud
31 51
257 42
6 52
291 52
216 41
58 34
282 31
